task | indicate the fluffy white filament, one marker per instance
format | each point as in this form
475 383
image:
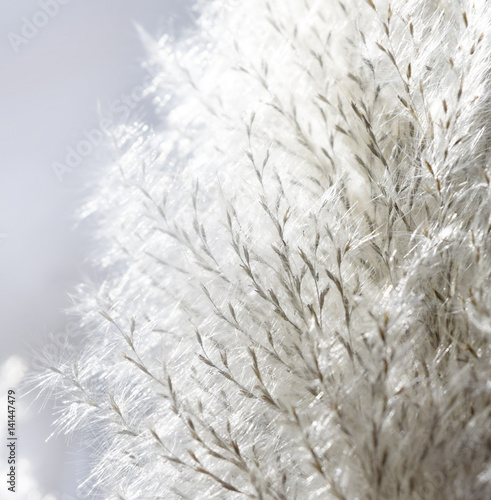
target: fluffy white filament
297 261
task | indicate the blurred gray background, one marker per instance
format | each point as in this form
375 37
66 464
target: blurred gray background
58 60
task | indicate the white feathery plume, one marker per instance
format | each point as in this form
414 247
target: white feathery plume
297 260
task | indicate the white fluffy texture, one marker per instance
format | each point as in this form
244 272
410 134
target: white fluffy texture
297 302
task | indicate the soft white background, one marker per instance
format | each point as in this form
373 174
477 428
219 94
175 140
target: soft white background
89 52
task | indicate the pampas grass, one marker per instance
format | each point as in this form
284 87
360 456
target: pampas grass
296 262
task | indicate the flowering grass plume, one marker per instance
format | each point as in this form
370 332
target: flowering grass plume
297 261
